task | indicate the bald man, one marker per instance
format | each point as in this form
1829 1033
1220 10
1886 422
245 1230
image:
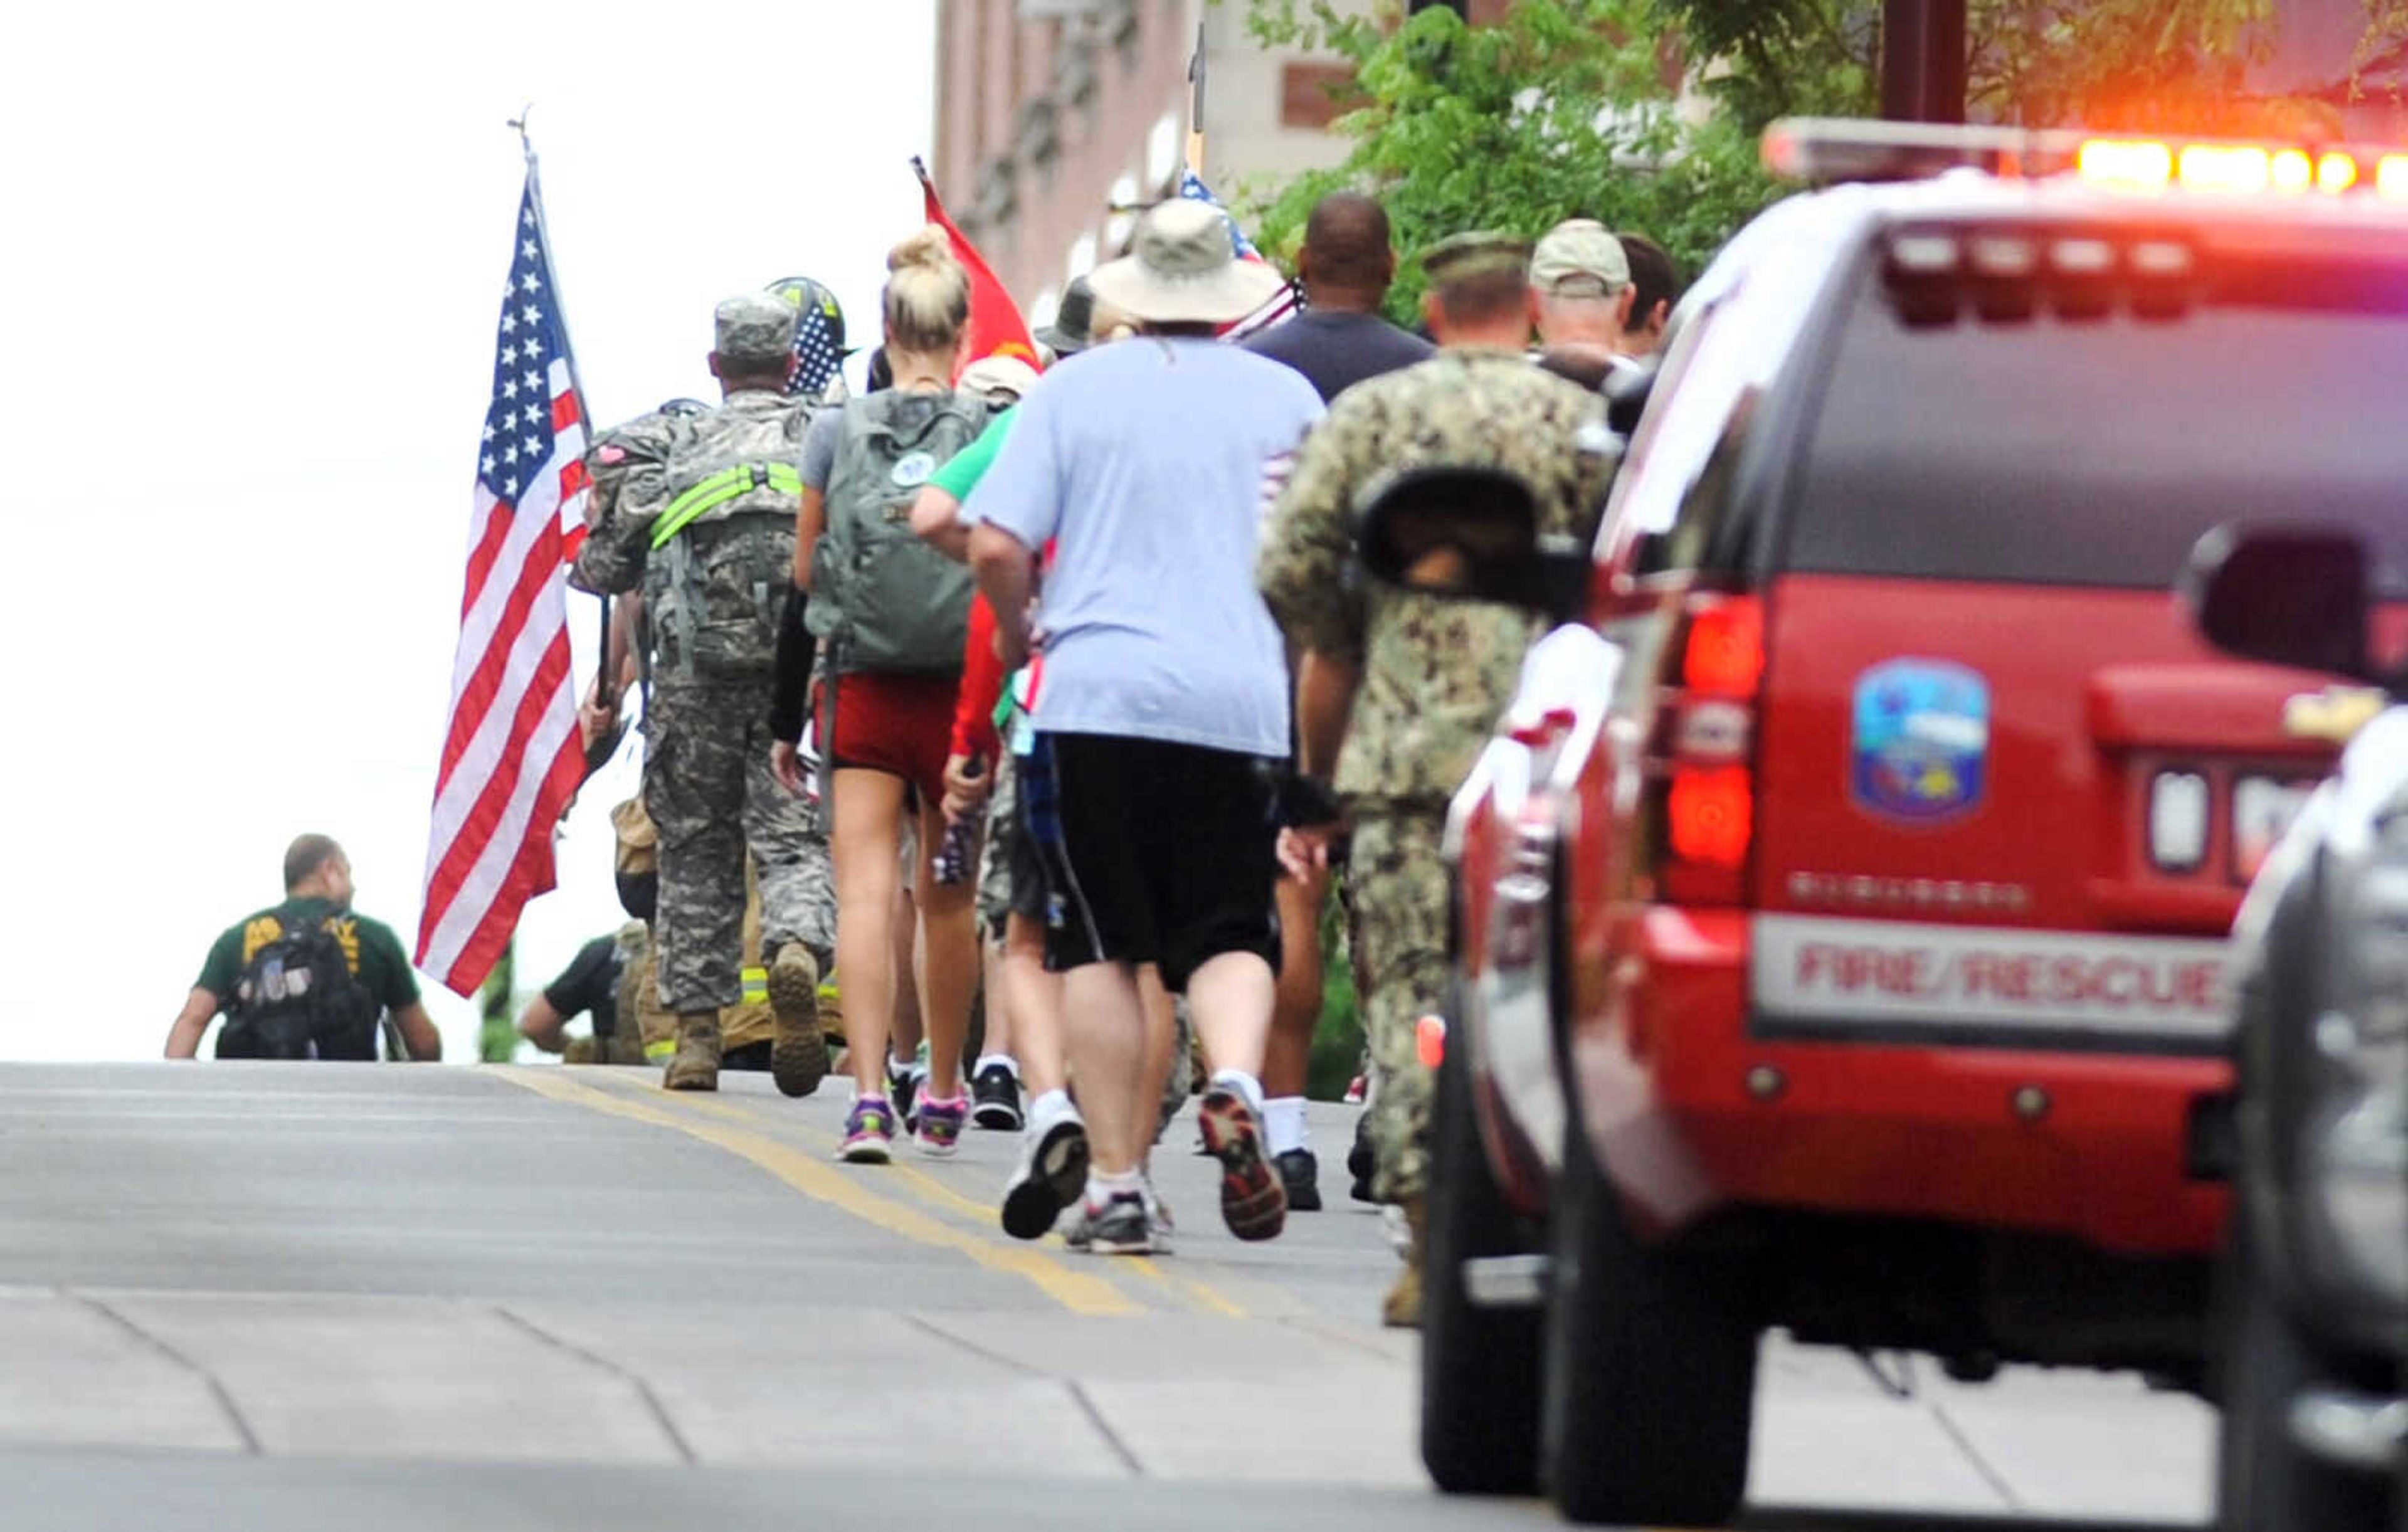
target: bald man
1345 265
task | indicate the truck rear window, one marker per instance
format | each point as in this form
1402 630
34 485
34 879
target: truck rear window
2096 451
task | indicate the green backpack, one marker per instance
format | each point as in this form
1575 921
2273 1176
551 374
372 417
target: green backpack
882 599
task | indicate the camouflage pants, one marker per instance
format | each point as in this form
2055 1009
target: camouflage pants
1397 884
710 791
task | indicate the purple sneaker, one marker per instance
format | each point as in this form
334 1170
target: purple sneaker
869 1132
941 1123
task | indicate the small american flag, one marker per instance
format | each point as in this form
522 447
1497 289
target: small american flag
1283 305
512 756
816 358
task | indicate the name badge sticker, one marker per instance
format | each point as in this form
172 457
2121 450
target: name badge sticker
1922 740
912 469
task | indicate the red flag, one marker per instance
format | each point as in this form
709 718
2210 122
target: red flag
997 328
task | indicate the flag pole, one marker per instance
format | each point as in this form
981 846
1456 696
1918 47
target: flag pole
1196 104
603 680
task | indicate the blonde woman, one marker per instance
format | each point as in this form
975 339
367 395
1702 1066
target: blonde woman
890 616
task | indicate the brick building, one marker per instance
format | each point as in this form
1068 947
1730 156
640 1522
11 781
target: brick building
1051 114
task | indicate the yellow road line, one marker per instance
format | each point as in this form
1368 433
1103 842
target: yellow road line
932 1190
1076 1291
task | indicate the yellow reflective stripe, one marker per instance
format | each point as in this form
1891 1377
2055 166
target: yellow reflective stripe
660 1052
756 983
720 488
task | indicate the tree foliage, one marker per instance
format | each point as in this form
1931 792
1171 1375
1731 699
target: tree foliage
1645 113
1565 108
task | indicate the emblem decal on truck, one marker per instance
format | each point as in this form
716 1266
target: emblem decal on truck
1922 739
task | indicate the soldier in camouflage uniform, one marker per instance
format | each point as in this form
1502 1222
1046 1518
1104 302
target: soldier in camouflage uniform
1413 682
703 520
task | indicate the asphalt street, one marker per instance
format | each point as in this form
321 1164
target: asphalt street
300 1296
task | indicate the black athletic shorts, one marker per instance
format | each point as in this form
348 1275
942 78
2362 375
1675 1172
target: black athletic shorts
1153 852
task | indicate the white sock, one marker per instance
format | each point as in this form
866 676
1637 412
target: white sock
1102 1187
1249 1089
1050 1105
989 1060
1283 1124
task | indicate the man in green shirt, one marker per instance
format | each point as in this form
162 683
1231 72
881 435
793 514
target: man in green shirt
317 899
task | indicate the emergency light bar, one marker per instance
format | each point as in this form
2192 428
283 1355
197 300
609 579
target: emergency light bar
1823 149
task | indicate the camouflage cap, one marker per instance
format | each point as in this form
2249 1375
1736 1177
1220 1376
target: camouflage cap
1580 257
1461 255
757 327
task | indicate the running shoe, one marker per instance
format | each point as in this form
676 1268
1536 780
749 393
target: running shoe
1299 1176
1252 1203
940 1129
996 1093
1077 1230
869 1132
1158 1219
1052 1170
1120 1226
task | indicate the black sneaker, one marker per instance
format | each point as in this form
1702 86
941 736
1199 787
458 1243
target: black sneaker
1300 1174
1360 1162
995 1099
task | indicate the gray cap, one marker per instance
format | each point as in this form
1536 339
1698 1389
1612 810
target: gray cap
755 327
1580 257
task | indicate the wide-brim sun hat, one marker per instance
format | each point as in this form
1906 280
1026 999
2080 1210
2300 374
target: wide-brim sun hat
1183 268
998 374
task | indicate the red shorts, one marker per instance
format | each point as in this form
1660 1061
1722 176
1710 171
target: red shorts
902 725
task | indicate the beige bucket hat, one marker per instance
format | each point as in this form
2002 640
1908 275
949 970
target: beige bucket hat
1184 270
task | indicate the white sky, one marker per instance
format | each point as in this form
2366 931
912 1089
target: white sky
253 259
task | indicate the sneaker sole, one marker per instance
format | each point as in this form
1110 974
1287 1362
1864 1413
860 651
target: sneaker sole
1142 1245
798 1056
866 1153
1304 1200
1253 1202
1031 1207
936 1149
995 1117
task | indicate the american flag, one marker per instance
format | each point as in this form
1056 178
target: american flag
1283 305
816 359
512 756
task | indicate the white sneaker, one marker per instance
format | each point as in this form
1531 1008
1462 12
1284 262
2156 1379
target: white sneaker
1052 1173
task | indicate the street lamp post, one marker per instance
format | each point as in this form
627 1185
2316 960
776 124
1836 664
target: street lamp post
1922 60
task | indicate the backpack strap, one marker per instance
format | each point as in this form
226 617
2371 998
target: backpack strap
716 491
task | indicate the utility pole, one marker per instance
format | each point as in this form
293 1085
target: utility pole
1922 60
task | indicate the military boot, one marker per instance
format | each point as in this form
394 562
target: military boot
1402 1309
798 1058
694 1066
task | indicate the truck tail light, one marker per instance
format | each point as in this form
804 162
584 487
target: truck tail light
1705 779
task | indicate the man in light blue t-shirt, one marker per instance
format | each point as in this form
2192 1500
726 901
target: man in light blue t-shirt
1165 695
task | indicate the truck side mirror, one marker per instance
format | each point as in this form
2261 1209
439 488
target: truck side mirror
1468 534
2287 595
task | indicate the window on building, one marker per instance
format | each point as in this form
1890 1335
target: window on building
1312 92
